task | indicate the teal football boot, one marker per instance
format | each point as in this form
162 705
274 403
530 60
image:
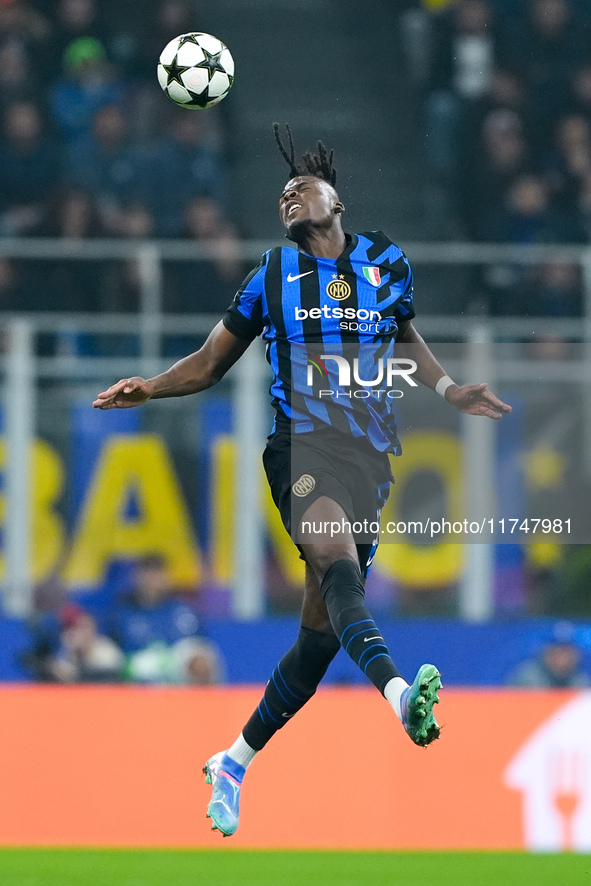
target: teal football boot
417 706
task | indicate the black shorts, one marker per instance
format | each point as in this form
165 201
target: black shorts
301 468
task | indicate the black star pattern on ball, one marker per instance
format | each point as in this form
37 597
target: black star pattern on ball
188 38
174 72
211 62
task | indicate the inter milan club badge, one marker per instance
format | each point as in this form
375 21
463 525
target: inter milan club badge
338 289
304 485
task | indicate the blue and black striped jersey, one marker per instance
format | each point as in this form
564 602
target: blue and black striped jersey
305 307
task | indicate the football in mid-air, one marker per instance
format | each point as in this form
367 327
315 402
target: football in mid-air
196 70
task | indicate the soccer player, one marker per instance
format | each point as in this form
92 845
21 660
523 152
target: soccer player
327 456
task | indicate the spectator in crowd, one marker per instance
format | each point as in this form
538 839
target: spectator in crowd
553 289
464 51
206 223
73 20
27 35
75 215
193 661
74 285
570 163
211 284
198 661
580 92
558 665
172 17
152 610
584 204
90 82
184 164
135 45
11 290
20 20
506 76
502 153
462 63
207 285
134 221
28 170
84 655
548 49
119 292
23 286
105 162
17 82
122 287
150 622
118 26
528 216
506 91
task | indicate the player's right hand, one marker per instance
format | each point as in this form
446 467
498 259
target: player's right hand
124 394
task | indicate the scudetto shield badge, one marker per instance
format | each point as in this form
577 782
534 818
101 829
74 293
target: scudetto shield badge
372 275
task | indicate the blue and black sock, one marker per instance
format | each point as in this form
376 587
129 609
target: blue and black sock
343 592
293 682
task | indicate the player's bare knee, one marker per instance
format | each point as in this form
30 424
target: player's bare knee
321 557
317 622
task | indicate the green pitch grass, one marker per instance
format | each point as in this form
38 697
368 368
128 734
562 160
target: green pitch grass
228 867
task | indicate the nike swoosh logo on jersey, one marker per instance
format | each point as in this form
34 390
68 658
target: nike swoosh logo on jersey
367 639
291 278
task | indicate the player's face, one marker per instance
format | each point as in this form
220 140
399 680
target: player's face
308 201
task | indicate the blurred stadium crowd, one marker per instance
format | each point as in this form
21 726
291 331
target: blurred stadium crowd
88 148
148 633
507 134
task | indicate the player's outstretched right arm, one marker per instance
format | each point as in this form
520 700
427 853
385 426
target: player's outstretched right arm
190 375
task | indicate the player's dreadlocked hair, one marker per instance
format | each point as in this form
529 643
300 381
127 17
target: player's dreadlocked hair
319 165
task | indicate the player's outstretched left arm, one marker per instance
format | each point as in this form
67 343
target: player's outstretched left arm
192 374
471 399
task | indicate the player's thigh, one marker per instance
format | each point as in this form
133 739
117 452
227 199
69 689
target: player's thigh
325 536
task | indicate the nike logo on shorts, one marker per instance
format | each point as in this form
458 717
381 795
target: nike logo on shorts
291 277
367 639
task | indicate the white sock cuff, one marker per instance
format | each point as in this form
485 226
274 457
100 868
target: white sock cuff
241 752
393 693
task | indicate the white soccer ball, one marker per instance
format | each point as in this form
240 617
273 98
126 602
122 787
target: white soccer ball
196 70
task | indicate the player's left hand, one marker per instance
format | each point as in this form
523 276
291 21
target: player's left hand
476 400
